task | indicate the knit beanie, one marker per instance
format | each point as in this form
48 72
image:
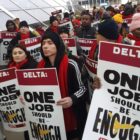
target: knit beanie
52 19
23 24
63 29
109 29
53 36
135 22
118 18
59 46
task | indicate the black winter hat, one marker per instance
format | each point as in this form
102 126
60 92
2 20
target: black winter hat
23 24
52 19
53 36
63 29
109 29
59 46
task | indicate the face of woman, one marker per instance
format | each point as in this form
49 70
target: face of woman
11 27
18 55
49 48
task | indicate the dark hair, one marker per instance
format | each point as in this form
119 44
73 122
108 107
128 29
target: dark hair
22 48
110 8
59 46
124 26
10 21
66 15
63 29
86 12
128 9
52 19
109 29
23 24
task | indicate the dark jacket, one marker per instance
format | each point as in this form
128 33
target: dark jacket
78 93
30 64
15 41
86 32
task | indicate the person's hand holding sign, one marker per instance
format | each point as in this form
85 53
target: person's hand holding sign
96 83
65 102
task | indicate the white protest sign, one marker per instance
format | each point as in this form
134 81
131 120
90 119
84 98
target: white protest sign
114 112
71 44
86 44
6 38
11 110
67 24
33 46
41 91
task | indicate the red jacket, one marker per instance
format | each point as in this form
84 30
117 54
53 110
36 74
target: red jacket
135 39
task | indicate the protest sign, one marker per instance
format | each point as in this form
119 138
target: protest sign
114 112
33 46
67 24
71 44
86 44
40 90
11 109
5 37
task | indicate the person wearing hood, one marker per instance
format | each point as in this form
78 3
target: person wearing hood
53 54
11 26
24 33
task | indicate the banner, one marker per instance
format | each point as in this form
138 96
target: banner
33 46
11 109
56 12
6 37
68 24
71 44
86 44
114 112
41 91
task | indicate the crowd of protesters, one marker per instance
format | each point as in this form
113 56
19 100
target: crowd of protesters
119 25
